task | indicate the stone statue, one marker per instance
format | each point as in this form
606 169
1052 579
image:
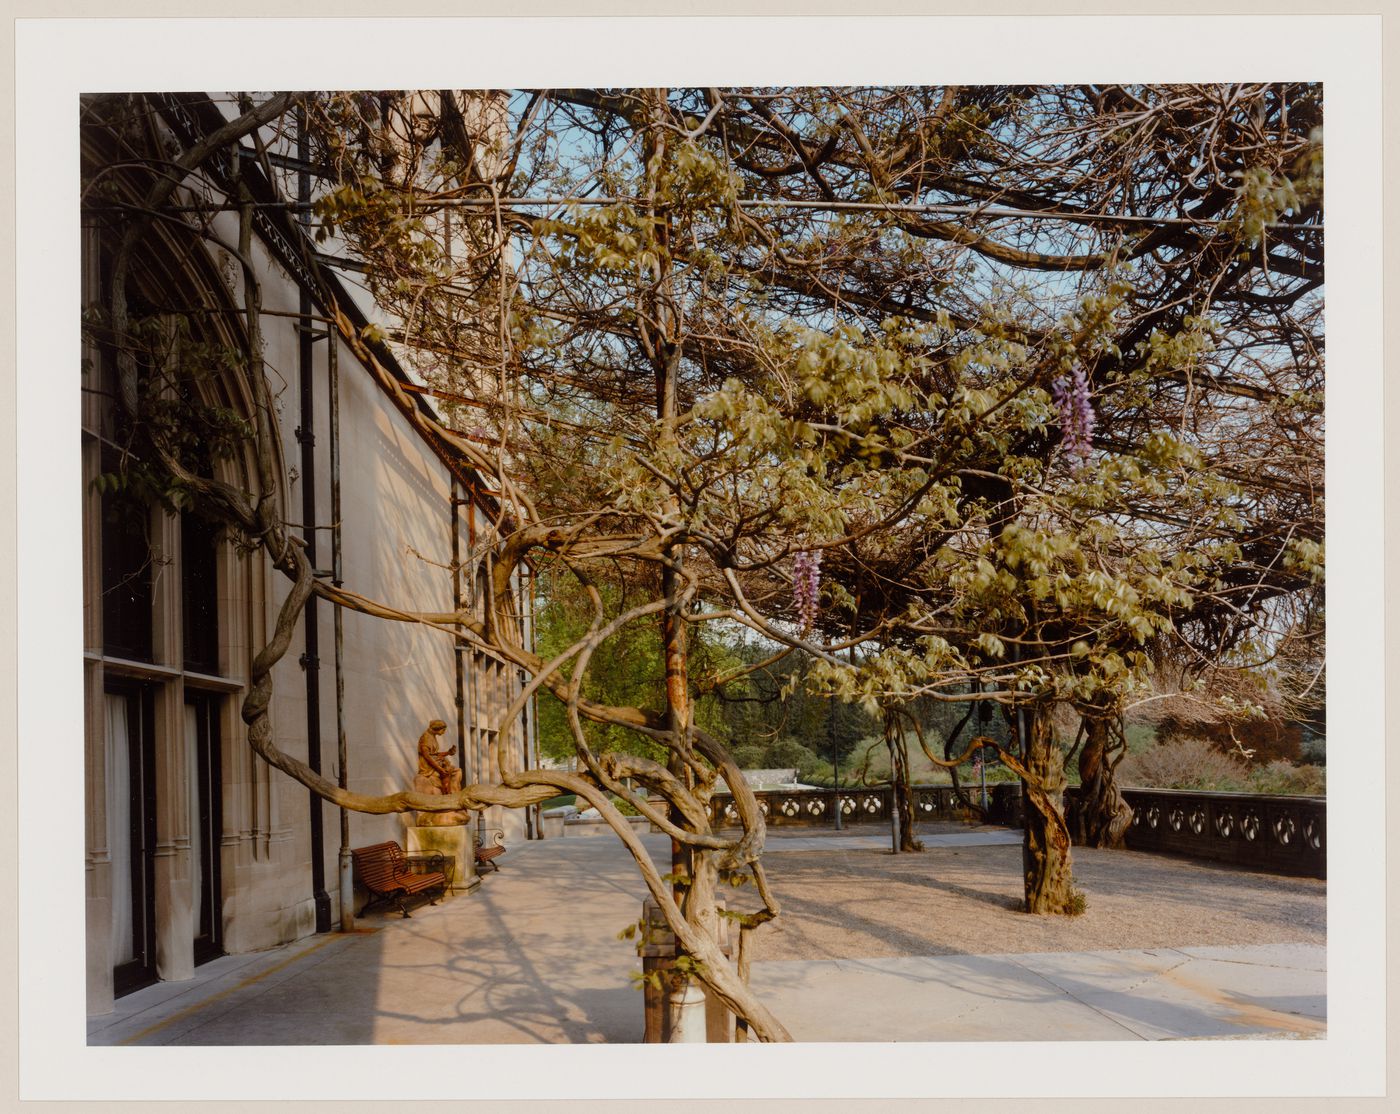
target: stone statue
437 776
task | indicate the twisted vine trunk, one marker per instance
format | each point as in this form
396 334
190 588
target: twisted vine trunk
1099 817
694 872
1045 853
696 928
903 806
901 792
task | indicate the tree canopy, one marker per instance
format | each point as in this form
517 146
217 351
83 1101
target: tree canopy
963 393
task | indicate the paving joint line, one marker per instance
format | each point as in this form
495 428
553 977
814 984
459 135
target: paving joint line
1147 978
1252 962
1075 998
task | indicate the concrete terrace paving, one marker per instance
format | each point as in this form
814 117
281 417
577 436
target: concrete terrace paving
1168 994
533 957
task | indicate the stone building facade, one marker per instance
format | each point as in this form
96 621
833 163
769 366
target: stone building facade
195 847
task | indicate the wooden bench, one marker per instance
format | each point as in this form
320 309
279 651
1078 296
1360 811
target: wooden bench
485 856
390 875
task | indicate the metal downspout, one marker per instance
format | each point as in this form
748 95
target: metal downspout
459 500
458 648
532 709
347 883
522 581
479 773
310 661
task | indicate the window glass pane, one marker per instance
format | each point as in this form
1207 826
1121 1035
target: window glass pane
199 588
119 827
196 822
126 573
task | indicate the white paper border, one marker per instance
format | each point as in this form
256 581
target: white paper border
56 60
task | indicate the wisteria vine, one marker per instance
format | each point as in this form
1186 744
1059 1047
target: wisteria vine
806 585
1077 421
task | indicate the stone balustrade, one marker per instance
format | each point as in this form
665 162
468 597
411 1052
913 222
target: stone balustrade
862 805
1283 835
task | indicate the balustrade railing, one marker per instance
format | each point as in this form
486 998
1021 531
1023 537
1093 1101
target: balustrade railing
817 807
1285 835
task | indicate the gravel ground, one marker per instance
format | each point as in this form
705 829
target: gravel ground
945 901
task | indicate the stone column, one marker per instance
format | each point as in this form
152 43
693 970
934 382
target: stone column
174 901
174 915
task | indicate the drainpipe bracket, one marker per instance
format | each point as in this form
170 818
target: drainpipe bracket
313 333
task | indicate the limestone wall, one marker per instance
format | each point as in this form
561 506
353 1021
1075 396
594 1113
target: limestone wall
397 525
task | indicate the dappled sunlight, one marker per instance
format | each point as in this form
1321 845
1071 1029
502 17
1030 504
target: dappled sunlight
925 946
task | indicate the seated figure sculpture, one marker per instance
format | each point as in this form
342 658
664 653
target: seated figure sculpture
437 776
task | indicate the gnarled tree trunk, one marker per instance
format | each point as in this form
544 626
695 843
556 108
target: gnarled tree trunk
902 804
901 793
1100 817
1045 853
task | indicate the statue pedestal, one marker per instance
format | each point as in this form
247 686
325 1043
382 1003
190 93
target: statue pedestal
457 842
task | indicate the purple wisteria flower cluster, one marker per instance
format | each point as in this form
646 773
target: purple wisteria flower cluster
1077 419
806 584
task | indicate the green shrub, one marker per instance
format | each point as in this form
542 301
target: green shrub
996 775
1200 765
558 802
750 756
1184 764
787 753
1140 736
1314 748
967 777
1286 778
625 807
